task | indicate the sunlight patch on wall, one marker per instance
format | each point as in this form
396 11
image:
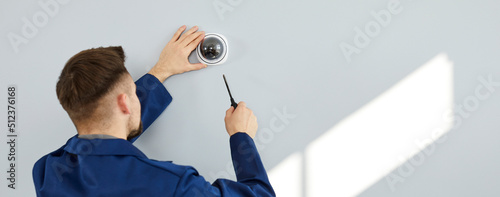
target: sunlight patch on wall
287 177
371 142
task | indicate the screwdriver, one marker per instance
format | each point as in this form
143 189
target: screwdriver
230 96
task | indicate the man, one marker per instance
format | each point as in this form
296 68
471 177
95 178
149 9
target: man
109 111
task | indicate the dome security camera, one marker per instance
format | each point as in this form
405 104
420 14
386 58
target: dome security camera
213 49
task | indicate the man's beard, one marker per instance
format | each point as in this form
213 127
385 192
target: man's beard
135 132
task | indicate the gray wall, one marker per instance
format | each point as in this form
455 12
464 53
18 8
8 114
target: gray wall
284 56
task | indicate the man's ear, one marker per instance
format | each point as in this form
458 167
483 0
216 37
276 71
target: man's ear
123 103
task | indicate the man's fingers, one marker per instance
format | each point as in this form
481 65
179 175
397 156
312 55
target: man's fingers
253 118
188 33
178 33
242 108
192 45
242 104
229 111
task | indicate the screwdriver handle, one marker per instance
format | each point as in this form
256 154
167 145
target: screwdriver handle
233 103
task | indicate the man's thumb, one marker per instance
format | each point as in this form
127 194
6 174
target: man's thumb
229 111
198 66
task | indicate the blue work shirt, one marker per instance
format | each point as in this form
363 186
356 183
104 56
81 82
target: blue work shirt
115 167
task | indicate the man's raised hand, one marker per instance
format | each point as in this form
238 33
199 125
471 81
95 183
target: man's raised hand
174 57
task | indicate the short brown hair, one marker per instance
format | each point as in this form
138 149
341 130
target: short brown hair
87 77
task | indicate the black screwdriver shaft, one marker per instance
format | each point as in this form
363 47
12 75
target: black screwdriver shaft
230 96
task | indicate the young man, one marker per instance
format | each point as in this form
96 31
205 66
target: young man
109 112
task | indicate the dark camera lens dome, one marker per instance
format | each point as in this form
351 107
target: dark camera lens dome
212 48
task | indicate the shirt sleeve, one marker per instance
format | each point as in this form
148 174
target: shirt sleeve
154 99
251 176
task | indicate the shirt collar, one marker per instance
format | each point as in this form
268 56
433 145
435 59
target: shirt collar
81 146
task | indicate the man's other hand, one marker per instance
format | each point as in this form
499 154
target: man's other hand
241 120
174 57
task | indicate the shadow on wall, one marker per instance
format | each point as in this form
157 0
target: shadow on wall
371 142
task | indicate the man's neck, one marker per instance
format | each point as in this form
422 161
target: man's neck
115 132
97 136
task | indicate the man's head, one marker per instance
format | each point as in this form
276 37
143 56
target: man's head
98 93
